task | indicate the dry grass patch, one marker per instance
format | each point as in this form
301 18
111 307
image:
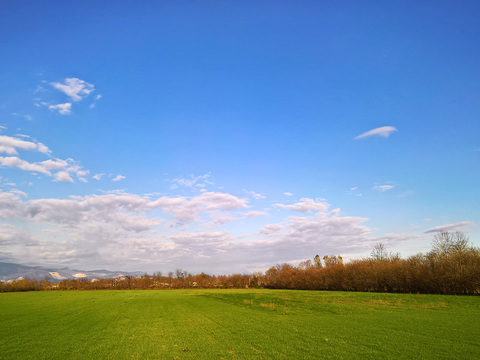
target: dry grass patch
270 305
377 302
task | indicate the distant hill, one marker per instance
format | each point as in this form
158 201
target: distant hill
10 271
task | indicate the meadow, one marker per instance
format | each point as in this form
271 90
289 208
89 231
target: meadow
237 324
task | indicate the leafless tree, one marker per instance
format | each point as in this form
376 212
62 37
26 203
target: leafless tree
446 243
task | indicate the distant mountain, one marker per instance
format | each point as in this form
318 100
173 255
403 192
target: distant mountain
10 271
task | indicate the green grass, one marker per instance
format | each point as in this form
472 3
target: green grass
237 324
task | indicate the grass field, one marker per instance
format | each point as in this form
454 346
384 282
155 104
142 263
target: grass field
237 324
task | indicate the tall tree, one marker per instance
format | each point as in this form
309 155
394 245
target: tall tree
379 252
446 243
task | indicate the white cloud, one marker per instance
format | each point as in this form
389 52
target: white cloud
9 204
118 178
11 236
55 164
344 229
43 149
98 176
200 181
383 187
116 209
63 176
270 229
202 243
13 161
9 143
287 194
459 226
64 109
64 168
119 229
305 205
219 220
254 195
252 214
74 88
81 175
8 150
384 131
188 210
212 201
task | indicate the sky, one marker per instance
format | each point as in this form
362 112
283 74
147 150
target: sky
230 136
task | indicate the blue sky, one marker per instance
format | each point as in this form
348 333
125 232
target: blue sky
224 136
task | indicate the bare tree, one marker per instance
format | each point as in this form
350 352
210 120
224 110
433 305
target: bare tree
379 252
304 265
446 243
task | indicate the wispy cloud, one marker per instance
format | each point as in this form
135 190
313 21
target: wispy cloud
98 97
81 174
192 181
271 229
406 194
459 226
306 205
252 214
26 117
383 187
64 109
74 88
255 195
118 178
384 131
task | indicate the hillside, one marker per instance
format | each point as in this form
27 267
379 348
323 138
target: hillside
11 271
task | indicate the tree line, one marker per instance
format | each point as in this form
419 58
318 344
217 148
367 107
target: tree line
178 280
452 266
